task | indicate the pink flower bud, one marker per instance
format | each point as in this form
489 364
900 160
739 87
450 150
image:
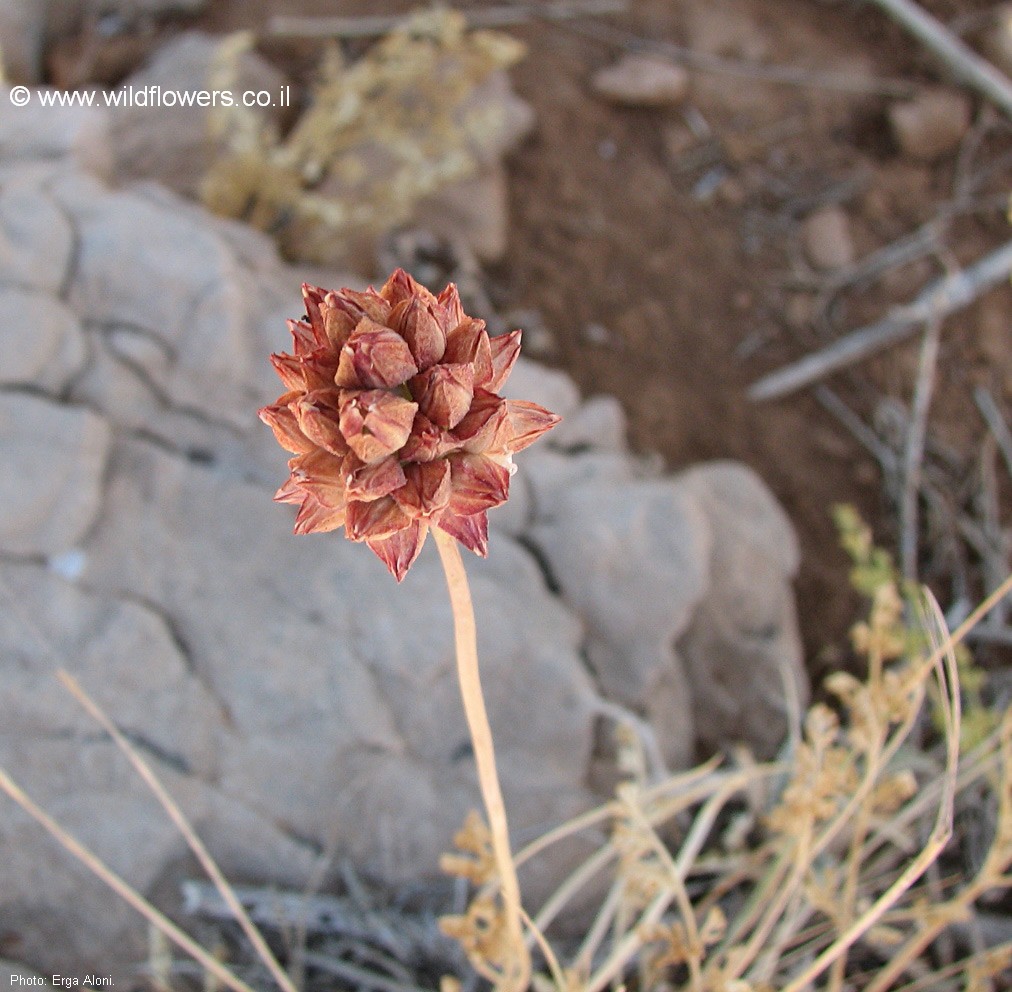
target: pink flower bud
280 419
426 490
368 482
444 393
417 322
374 422
375 519
478 483
505 351
528 421
319 420
374 357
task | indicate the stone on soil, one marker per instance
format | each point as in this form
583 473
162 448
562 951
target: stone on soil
642 81
826 238
930 125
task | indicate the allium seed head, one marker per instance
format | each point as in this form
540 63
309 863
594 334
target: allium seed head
393 415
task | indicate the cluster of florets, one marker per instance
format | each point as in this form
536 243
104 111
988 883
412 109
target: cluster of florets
393 416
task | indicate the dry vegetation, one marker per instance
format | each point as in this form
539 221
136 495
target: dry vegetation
875 853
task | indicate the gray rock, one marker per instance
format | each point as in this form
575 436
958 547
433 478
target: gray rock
36 239
51 487
176 145
41 340
150 262
64 919
650 540
552 473
742 650
100 640
126 657
77 135
322 658
473 211
598 423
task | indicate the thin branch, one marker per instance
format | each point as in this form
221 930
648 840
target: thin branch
965 63
405 937
787 75
913 454
996 422
936 301
865 436
944 663
373 26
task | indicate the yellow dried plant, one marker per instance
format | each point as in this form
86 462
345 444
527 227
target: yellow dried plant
379 135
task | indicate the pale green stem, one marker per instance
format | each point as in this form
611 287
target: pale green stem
465 636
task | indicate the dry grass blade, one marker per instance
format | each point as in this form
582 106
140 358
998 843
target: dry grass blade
122 888
913 456
943 664
1005 589
195 844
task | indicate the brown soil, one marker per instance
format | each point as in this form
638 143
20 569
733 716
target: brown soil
662 246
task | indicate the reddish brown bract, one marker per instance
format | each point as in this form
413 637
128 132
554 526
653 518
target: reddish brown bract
393 416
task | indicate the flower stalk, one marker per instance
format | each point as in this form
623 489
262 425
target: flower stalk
465 638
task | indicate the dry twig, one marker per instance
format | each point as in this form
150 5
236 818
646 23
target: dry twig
937 300
406 938
996 422
965 63
376 25
787 75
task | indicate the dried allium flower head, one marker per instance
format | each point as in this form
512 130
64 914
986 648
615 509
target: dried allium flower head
394 419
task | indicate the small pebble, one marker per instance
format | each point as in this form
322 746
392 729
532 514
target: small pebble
931 125
597 334
825 237
641 81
